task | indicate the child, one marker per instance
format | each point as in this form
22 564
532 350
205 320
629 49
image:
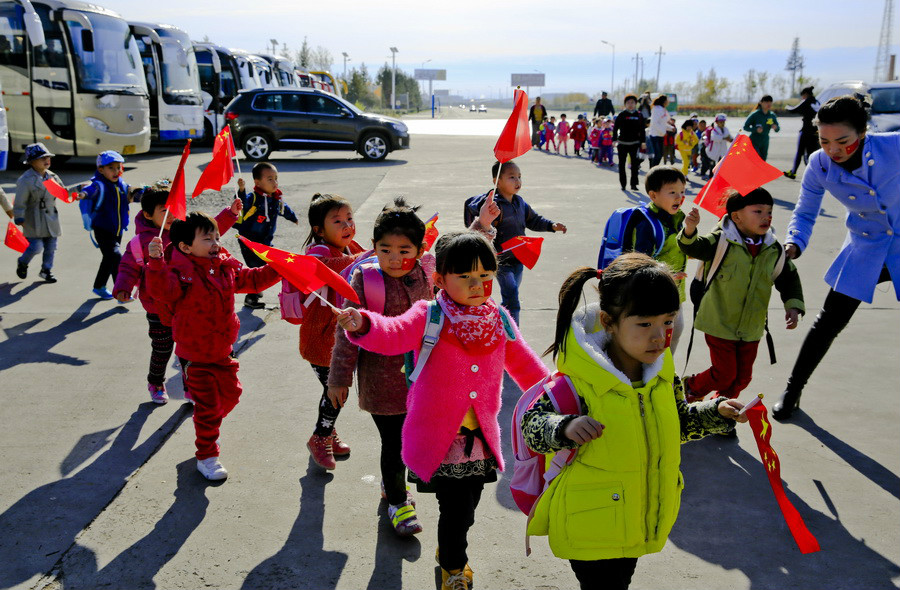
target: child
550 129
147 224
686 141
543 133
619 499
719 139
759 122
261 210
331 233
630 132
606 142
733 312
665 186
562 130
695 153
703 134
451 436
398 242
34 208
515 216
579 134
669 143
197 280
594 140
109 196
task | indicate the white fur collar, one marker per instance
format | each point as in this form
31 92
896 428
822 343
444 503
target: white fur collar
730 231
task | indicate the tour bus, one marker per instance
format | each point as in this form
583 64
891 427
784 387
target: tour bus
4 136
282 71
170 69
72 78
326 81
220 80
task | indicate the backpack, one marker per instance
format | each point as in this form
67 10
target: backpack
88 208
292 301
615 233
533 472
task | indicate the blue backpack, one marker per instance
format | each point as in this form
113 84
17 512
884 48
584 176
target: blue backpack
614 235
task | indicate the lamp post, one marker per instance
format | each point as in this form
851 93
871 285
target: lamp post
274 46
394 51
612 76
346 59
430 82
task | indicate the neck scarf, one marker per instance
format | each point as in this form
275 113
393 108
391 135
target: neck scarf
476 327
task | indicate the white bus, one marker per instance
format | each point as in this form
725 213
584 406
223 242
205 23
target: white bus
220 81
170 69
72 79
282 71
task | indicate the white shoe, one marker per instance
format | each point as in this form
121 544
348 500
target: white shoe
212 469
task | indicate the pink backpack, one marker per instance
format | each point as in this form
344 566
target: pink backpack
531 471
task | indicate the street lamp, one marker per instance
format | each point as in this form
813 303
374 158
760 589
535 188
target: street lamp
612 76
346 59
394 51
274 46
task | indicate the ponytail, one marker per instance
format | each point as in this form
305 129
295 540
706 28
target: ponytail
569 294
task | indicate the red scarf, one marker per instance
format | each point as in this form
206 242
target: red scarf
478 328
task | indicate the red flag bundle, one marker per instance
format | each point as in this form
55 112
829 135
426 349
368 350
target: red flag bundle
515 139
306 273
741 169
220 169
762 432
431 232
15 239
58 191
525 248
176 202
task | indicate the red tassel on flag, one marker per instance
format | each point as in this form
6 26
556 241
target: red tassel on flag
741 169
15 239
515 139
526 249
220 169
176 203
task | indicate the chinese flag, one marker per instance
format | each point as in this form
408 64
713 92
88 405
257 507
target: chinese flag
762 432
176 201
515 139
58 191
431 232
525 248
741 169
220 169
15 239
306 273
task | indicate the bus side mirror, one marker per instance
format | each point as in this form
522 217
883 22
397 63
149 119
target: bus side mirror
87 40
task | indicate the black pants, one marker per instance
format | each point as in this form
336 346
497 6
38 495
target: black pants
161 345
109 264
327 412
706 163
457 501
393 470
604 574
251 259
807 143
624 152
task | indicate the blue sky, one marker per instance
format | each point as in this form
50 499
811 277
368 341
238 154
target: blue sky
481 43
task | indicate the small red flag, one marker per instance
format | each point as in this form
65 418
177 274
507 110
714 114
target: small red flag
741 169
15 239
306 273
762 432
431 232
525 248
515 139
220 169
58 191
176 202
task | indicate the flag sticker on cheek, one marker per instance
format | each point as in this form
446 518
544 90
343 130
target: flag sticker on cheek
407 263
669 337
487 286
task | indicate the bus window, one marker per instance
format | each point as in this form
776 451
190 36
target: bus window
229 84
114 64
12 36
53 54
145 46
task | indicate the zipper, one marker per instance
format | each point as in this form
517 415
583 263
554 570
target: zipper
119 209
647 470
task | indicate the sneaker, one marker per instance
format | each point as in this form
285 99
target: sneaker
252 301
49 278
403 518
21 270
212 469
790 175
409 496
454 580
338 447
103 293
158 393
467 571
320 449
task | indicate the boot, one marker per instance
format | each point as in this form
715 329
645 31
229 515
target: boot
252 301
338 447
790 401
320 449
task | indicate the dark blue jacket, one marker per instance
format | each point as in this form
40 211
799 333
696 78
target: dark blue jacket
260 214
109 204
515 216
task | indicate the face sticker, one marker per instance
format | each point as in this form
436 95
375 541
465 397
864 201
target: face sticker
852 147
488 286
407 263
669 337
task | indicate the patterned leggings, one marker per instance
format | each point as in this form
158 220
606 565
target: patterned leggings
327 412
161 345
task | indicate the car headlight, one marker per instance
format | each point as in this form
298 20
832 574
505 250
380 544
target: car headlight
96 124
400 127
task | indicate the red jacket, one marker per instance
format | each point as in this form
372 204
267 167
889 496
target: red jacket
579 130
201 292
131 273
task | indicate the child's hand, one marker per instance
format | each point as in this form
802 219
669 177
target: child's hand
559 227
242 186
792 318
155 248
124 297
583 429
338 396
792 251
680 276
731 409
349 319
237 206
489 211
691 221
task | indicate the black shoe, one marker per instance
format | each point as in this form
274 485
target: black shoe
252 301
790 175
47 275
783 408
21 270
634 187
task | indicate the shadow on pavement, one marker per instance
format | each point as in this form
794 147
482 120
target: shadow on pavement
390 553
7 297
303 563
729 517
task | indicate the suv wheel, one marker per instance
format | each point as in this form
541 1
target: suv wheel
256 146
374 147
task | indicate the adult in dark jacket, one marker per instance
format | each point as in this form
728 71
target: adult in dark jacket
630 132
536 115
604 106
808 142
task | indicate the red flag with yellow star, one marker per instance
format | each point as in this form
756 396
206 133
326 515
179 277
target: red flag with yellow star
741 169
515 139
220 170
15 239
525 248
762 432
306 273
431 232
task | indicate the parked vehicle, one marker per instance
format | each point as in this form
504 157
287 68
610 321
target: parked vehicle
482 109
326 81
170 69
841 88
885 107
265 120
220 81
282 71
72 79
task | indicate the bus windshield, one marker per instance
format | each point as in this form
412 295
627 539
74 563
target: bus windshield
112 65
179 67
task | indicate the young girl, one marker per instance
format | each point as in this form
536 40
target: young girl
451 436
562 134
398 242
331 240
619 499
594 139
759 123
550 129
686 141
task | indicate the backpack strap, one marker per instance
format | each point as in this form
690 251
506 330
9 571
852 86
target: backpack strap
429 338
136 250
706 278
659 234
779 263
373 287
507 324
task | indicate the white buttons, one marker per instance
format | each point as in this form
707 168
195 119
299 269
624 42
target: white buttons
883 212
890 232
473 394
862 214
871 192
852 198
868 154
871 162
474 368
865 233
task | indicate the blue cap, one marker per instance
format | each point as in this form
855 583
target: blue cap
35 151
108 157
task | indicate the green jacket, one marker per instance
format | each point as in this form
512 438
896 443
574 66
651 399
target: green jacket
736 305
766 120
621 495
642 240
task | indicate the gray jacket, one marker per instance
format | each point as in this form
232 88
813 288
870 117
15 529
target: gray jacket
36 205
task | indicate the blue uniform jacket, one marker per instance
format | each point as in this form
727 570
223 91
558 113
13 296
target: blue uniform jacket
260 214
109 204
871 194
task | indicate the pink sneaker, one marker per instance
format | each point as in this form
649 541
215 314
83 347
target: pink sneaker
158 393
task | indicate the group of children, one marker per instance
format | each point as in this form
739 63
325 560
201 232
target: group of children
596 139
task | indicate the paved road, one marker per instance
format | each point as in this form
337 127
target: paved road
99 488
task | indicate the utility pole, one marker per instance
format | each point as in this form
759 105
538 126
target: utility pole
659 55
883 70
637 61
612 76
795 64
394 51
346 57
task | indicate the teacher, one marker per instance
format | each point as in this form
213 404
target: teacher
860 171
536 115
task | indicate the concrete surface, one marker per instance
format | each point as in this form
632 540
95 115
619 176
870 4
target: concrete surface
99 487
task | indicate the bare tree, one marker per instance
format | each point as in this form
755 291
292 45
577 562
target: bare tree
750 83
322 59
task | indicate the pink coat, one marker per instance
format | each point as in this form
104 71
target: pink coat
453 380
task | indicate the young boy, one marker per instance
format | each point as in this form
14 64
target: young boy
706 163
579 134
34 209
733 311
606 142
257 223
109 197
147 224
514 216
630 132
197 281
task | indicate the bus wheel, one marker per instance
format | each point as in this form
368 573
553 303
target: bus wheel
256 146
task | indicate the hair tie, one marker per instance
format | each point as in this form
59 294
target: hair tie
599 274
